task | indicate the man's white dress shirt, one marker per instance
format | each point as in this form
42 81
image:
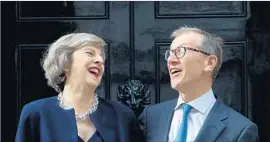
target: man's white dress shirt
200 109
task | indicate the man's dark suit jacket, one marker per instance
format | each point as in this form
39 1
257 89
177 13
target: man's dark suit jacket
222 124
45 121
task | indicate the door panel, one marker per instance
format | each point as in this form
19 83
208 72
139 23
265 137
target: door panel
63 10
195 9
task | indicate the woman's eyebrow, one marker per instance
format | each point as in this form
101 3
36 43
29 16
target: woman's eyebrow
88 49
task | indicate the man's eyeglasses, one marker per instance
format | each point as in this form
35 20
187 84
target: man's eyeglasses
180 52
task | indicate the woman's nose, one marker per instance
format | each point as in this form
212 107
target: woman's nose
99 60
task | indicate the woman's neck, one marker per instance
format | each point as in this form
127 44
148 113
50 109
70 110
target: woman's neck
80 97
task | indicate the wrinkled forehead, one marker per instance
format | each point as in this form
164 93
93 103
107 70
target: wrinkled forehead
97 48
188 39
93 47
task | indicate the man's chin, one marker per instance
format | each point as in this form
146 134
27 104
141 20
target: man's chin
175 85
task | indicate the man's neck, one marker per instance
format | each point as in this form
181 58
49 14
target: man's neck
192 92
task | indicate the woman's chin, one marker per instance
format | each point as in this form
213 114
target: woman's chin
93 83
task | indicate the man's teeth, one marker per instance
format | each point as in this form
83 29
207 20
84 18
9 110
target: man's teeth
175 71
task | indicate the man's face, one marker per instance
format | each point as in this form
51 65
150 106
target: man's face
187 70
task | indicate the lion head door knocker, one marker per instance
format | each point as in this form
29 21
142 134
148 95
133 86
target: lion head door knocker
135 95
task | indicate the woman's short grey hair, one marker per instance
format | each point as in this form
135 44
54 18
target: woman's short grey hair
58 56
211 44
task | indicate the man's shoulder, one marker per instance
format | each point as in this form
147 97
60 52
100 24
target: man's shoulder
237 117
241 125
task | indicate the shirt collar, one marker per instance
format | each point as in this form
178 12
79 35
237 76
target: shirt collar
201 104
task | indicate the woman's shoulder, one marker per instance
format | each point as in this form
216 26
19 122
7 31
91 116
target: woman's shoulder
37 105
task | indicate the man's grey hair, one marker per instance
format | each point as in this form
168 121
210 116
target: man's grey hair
58 57
211 44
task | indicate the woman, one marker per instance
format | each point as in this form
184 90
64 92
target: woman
74 66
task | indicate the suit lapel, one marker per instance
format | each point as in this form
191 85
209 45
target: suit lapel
103 119
214 123
166 121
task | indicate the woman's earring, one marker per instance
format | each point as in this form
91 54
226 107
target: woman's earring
66 70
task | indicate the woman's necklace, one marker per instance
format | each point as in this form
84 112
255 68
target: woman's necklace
90 110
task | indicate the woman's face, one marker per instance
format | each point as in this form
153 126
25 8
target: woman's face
87 66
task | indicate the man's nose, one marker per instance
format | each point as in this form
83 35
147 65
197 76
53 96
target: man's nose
172 60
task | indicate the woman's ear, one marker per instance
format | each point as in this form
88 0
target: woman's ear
210 63
66 73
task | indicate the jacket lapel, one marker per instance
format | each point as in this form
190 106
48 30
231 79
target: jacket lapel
103 119
166 122
214 123
61 126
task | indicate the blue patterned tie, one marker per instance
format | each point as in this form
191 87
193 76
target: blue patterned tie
182 132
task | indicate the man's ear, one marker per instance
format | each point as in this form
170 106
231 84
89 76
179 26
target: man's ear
210 63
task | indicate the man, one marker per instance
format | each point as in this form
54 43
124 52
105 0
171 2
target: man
194 60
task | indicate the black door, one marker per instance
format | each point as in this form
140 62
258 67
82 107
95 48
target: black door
137 34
